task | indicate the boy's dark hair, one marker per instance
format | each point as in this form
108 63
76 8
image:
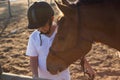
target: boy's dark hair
39 14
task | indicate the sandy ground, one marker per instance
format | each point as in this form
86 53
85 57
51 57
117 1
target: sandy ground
104 60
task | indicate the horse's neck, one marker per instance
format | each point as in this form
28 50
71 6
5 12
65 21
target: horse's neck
71 39
102 22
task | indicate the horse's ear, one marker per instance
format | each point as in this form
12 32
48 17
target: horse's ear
65 9
65 2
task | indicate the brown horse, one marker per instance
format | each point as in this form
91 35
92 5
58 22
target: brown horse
83 23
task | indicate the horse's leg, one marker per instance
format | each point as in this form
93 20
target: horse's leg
0 70
87 69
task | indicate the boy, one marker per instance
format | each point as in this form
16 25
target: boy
40 17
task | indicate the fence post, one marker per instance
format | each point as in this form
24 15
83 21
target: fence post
9 9
28 3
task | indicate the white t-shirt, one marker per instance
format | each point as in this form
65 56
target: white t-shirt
34 49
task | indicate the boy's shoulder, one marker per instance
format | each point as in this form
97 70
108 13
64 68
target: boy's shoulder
34 34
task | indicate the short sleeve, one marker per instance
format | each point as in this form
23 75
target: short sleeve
31 48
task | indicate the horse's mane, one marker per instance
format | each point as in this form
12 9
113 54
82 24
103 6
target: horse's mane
97 1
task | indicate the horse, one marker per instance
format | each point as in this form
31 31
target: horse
83 23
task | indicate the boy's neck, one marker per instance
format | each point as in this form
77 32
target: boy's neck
52 29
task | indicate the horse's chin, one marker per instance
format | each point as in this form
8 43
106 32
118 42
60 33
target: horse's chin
55 64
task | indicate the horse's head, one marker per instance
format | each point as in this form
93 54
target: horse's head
65 39
66 36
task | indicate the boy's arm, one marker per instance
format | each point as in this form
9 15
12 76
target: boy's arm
34 66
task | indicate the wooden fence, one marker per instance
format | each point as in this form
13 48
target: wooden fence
8 76
29 2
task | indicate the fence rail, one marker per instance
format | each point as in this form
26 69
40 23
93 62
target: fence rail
8 76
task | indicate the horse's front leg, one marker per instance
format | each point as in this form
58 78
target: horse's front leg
87 69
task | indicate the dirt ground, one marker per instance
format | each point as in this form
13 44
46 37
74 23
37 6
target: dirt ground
13 41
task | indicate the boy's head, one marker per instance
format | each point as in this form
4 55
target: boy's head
39 14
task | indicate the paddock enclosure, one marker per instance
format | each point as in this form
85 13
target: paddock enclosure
13 41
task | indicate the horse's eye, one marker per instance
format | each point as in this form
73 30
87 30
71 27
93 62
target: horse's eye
61 21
